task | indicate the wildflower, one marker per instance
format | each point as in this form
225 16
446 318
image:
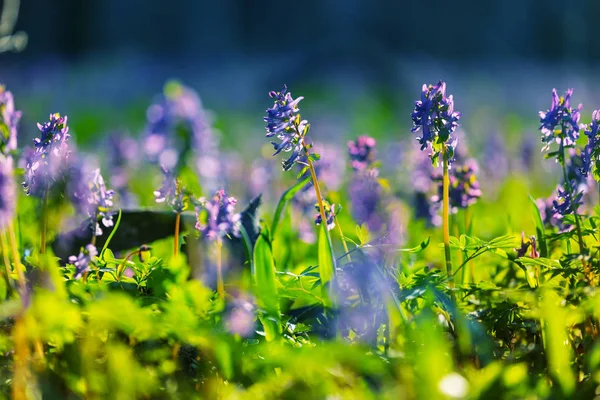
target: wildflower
171 192
8 123
46 163
216 218
8 203
365 196
122 151
591 153
95 200
464 188
566 203
362 152
283 121
434 115
546 209
178 123
83 260
561 122
331 211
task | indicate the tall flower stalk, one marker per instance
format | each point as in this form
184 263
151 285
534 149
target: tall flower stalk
435 117
284 122
560 124
217 219
45 165
173 193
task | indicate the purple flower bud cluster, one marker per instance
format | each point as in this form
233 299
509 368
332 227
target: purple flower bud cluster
8 123
171 192
216 218
331 210
560 123
362 152
47 162
283 121
591 153
82 261
8 193
434 115
464 189
566 203
92 198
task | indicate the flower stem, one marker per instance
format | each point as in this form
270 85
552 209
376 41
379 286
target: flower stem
573 209
4 244
220 284
335 219
445 213
176 236
21 367
44 221
16 258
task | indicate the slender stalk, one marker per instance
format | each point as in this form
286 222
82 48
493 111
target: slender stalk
44 221
176 237
21 367
4 245
573 209
16 258
220 284
445 212
335 219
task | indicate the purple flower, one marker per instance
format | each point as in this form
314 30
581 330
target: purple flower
8 204
178 123
434 115
362 152
46 163
283 121
216 218
591 154
83 260
8 124
171 192
122 154
365 197
240 318
93 199
566 203
331 211
464 188
560 123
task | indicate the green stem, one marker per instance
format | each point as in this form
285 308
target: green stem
220 284
445 213
16 258
44 221
335 219
4 244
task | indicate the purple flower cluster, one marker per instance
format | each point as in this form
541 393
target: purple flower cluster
434 115
560 123
93 199
331 210
8 123
283 121
365 197
8 193
83 260
216 218
464 189
591 153
362 152
566 202
171 192
47 162
178 123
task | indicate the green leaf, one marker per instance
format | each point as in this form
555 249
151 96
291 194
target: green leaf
287 196
326 262
539 228
266 287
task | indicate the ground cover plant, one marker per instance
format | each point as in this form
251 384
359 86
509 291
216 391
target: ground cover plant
166 269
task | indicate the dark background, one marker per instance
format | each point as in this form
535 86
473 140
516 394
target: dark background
329 30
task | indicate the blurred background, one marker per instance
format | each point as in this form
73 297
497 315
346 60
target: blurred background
360 65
